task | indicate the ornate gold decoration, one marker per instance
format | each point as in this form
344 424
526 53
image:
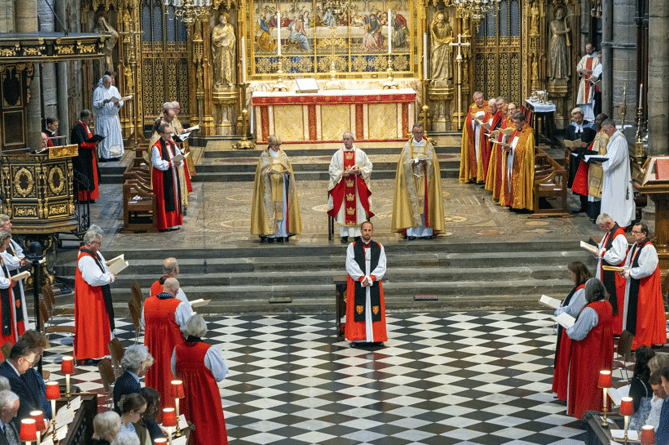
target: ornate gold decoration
7 52
56 180
86 48
66 49
58 210
24 182
25 211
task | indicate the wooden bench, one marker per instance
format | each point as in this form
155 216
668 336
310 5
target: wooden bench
550 182
139 202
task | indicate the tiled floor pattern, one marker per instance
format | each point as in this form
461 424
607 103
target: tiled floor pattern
448 378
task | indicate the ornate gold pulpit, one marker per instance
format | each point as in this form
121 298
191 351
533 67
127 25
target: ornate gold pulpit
37 192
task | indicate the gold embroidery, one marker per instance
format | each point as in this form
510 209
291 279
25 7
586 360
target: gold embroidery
350 211
359 309
349 155
375 310
350 197
349 183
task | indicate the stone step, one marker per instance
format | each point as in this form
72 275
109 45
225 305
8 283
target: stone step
296 153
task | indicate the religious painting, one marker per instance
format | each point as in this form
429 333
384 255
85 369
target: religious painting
313 37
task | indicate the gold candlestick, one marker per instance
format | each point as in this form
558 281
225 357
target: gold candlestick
390 82
279 86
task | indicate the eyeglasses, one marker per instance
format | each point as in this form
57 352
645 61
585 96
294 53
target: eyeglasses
635 232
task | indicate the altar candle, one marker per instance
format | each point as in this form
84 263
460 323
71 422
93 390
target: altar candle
278 29
389 31
243 60
640 95
424 55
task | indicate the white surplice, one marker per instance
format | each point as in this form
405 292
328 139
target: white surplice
617 190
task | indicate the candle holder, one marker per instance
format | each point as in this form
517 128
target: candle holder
67 368
627 410
28 432
169 421
390 82
53 394
279 85
40 424
604 383
177 391
647 436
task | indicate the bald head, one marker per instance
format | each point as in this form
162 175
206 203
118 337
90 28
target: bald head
171 286
170 267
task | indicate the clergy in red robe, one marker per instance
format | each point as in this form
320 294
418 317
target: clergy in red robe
170 270
572 305
93 309
493 180
349 191
165 177
86 164
644 307
365 305
200 366
518 167
492 124
474 141
15 260
163 317
7 287
591 351
612 252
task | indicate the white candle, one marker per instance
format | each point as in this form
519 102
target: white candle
640 95
424 55
243 60
278 29
389 31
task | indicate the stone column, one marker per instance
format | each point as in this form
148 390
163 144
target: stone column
48 78
658 77
26 22
607 57
623 48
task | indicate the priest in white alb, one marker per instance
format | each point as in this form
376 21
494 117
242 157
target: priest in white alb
617 190
107 103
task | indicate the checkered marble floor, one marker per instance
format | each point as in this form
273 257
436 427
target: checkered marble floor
443 378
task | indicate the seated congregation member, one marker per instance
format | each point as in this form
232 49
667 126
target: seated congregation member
9 407
21 359
32 378
572 305
640 385
170 270
275 211
518 167
134 363
662 433
200 366
658 362
132 407
644 306
591 350
147 425
165 178
127 439
650 407
164 318
106 427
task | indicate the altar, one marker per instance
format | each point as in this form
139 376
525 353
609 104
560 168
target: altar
371 115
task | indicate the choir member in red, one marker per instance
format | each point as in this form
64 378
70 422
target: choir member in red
164 317
365 308
591 350
170 270
86 164
7 289
165 176
200 366
572 305
93 309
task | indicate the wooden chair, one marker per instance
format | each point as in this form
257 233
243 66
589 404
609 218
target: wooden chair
108 378
48 328
135 314
117 353
5 350
137 294
624 354
50 301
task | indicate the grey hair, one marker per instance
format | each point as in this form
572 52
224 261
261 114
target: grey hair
175 104
106 78
273 140
4 383
4 236
609 122
97 229
106 425
84 113
501 98
7 398
4 218
168 105
477 93
134 356
91 236
594 290
169 265
603 218
350 134
126 439
196 326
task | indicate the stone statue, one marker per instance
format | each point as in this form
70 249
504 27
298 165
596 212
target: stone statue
103 27
534 21
558 61
442 36
223 52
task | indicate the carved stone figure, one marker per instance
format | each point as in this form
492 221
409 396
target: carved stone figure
558 61
223 51
442 36
103 27
534 22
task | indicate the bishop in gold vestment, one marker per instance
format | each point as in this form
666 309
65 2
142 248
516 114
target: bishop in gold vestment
518 167
418 207
474 141
275 211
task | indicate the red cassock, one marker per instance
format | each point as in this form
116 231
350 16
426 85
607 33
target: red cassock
589 356
562 354
92 332
168 205
202 402
356 330
9 316
161 335
620 282
157 287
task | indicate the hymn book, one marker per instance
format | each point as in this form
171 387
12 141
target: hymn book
573 144
118 264
616 394
550 302
192 129
613 268
124 98
595 158
199 302
180 157
181 138
590 248
20 276
619 435
565 320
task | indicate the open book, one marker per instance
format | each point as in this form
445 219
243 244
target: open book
613 268
180 138
589 247
616 394
550 302
199 302
124 98
192 129
117 264
595 158
96 138
180 157
573 144
565 320
20 276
